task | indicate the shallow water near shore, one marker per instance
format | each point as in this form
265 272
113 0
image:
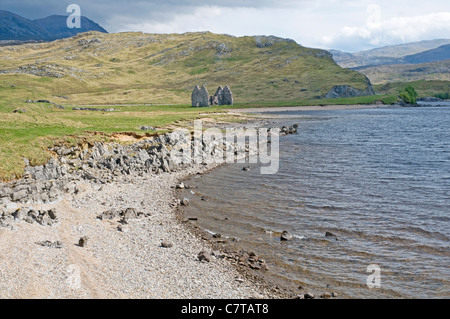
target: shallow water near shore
379 179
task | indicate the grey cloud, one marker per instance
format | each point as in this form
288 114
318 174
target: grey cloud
105 11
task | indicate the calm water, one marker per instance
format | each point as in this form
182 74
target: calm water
377 178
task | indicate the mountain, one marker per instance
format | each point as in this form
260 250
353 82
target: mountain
439 54
16 28
135 67
395 54
56 26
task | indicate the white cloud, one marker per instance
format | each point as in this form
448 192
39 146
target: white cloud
394 30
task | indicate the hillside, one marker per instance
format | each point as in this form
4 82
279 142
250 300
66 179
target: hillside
16 28
395 54
382 74
439 54
98 68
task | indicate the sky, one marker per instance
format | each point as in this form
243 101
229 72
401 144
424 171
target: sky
347 25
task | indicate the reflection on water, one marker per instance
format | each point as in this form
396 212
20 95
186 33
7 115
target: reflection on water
379 179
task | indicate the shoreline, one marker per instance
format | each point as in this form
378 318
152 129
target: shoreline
309 108
149 254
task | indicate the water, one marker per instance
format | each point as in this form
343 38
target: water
379 179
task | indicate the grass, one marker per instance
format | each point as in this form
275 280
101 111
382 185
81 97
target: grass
153 73
423 88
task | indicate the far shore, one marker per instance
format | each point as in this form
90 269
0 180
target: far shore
308 108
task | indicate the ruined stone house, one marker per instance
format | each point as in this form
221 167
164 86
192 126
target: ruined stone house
201 98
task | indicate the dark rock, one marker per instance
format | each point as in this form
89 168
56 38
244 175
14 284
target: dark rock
204 256
285 236
83 241
309 295
165 244
52 214
328 234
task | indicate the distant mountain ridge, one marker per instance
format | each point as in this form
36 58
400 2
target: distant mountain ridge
415 52
17 28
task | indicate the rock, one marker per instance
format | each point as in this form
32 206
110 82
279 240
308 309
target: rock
83 241
166 244
285 236
309 295
300 297
147 128
328 234
185 202
52 214
180 186
334 295
204 256
109 215
340 91
123 228
325 295
50 244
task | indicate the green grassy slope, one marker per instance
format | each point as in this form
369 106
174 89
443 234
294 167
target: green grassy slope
159 71
95 68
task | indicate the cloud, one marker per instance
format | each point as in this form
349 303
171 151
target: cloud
400 29
349 25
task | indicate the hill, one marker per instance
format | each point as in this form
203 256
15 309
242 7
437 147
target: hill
439 54
16 28
56 26
382 74
395 54
99 68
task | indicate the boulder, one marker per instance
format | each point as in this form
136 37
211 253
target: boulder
285 236
204 256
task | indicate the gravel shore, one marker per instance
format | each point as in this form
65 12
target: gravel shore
119 260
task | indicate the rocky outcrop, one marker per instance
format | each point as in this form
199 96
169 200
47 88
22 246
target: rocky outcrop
341 91
100 164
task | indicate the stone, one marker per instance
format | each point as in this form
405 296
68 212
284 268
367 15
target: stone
204 256
166 244
180 186
51 244
329 234
185 202
325 295
309 295
82 242
52 214
285 236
